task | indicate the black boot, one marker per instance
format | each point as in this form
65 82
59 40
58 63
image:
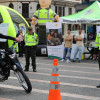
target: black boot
34 70
26 68
98 86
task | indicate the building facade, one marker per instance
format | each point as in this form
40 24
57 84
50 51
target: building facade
28 7
84 4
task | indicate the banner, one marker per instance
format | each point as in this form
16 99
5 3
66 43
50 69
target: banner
22 27
98 29
4 30
54 40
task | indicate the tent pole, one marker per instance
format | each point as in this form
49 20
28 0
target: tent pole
86 33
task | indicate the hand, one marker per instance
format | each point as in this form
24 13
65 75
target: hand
94 56
33 22
57 18
17 39
76 39
22 35
69 39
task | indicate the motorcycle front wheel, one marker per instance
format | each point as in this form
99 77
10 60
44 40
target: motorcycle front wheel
23 80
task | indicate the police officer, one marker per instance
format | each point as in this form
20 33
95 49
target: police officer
97 50
31 41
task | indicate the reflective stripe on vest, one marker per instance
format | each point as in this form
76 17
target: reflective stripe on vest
32 41
42 21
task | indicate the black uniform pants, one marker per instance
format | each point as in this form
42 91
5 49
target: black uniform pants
21 48
99 59
30 52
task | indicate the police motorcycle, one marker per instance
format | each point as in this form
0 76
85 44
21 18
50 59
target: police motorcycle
8 62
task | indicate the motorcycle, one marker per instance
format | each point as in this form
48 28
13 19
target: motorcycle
9 61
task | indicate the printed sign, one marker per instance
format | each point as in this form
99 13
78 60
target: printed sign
54 40
3 30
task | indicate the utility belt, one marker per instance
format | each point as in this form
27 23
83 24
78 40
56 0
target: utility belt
31 46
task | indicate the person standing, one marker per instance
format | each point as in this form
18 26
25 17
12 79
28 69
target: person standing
21 43
31 41
97 51
79 45
68 45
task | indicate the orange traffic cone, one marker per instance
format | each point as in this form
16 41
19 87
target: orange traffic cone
54 91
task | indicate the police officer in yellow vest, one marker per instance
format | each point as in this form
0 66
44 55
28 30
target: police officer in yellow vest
44 14
31 41
97 50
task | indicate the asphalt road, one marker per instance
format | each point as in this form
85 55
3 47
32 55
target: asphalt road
78 81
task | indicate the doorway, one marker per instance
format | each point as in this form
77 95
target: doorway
25 10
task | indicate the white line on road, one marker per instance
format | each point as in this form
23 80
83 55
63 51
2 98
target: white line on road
71 71
61 83
66 66
4 99
60 61
69 66
47 92
77 77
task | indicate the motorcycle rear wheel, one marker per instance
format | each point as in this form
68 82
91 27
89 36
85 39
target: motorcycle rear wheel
24 80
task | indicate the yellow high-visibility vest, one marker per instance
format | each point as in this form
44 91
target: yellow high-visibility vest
31 40
16 47
97 41
44 15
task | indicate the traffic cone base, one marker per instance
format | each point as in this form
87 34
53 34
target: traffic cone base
54 94
54 91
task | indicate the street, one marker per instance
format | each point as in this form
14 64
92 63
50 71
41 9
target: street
78 81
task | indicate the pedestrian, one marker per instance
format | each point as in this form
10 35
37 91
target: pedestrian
31 41
79 45
97 50
21 43
68 45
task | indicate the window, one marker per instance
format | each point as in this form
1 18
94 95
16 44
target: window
25 10
60 10
11 5
63 11
38 6
55 9
62 29
70 11
86 0
69 26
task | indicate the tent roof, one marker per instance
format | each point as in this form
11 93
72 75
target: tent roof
15 16
89 15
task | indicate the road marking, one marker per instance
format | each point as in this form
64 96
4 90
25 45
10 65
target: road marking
77 77
61 61
66 66
71 71
4 99
47 92
69 66
61 83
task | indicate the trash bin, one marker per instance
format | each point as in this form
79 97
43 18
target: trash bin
83 56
